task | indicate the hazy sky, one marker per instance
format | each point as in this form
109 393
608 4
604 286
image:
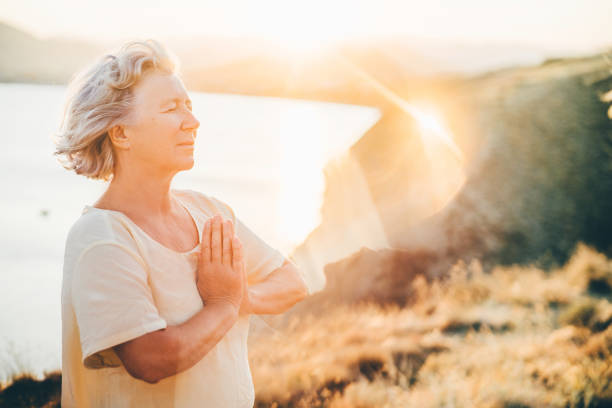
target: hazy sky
553 24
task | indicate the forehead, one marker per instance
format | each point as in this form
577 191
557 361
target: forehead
157 87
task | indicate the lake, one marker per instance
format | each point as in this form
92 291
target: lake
263 156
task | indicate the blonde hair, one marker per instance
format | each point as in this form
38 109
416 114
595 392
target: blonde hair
98 99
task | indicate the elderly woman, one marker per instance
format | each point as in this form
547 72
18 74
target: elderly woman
158 284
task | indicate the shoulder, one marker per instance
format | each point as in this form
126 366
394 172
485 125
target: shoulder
96 226
207 203
91 225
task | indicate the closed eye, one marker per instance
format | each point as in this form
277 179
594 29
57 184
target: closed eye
176 106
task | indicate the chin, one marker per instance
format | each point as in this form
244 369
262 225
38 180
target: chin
189 165
181 163
185 166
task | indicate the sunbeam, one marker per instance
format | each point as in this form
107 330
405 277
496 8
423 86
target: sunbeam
445 159
353 220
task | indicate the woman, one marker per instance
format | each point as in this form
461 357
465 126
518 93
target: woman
158 284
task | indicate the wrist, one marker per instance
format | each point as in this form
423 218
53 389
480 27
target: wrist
246 307
222 303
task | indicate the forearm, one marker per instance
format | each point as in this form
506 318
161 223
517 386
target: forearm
190 341
282 289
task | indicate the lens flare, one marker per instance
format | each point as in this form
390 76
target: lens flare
444 156
354 220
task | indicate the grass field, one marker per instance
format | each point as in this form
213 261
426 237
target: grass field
510 337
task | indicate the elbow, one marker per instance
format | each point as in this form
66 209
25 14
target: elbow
301 291
152 374
142 373
146 372
153 362
166 362
149 379
297 295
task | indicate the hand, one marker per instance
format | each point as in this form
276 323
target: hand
245 306
220 277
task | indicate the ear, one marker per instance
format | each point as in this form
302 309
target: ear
118 137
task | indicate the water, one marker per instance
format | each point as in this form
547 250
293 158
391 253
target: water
264 156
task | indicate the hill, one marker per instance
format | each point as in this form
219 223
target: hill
26 58
538 151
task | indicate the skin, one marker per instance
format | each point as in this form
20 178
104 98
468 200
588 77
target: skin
151 145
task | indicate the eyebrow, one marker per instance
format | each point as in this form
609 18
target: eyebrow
177 100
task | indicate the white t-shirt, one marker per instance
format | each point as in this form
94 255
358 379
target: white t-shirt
119 283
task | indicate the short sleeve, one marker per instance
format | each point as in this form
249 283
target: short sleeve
112 300
260 258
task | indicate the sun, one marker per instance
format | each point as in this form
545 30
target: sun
432 126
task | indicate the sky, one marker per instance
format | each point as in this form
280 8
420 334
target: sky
560 25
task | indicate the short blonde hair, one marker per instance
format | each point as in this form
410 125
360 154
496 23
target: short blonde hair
99 98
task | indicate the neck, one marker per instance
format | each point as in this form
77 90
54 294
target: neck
139 191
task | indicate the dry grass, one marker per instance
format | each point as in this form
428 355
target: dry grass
512 337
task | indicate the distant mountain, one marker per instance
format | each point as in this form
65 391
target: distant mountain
258 67
26 58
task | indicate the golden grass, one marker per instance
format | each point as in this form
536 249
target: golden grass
510 337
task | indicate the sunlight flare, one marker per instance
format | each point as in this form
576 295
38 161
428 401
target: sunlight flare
444 157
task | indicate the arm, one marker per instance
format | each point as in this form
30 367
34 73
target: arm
220 281
281 289
166 352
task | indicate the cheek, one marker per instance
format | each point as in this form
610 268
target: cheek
164 124
159 130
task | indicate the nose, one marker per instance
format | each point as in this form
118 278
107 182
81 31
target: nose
190 122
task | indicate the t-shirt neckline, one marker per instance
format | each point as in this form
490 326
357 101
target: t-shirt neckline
183 204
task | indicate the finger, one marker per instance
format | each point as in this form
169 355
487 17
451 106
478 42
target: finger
227 243
231 237
231 225
237 255
205 254
215 245
245 277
